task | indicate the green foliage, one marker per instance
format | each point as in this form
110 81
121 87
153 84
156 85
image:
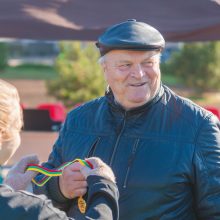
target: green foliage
3 55
197 64
80 77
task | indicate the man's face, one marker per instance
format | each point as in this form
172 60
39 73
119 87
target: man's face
133 76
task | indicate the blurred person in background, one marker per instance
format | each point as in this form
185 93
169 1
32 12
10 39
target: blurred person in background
15 203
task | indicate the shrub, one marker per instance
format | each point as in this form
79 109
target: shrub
197 64
79 75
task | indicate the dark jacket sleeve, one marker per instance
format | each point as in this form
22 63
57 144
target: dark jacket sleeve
51 189
206 164
22 205
102 201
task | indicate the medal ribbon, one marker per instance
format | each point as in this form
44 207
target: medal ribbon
49 173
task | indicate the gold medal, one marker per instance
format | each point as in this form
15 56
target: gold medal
82 204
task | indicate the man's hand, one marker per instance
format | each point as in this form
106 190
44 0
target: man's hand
18 178
72 182
99 169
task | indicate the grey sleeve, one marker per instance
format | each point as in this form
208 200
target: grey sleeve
48 211
26 206
102 203
206 163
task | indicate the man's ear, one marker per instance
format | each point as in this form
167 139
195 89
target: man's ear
104 66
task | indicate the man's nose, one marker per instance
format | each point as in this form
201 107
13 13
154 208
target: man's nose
137 71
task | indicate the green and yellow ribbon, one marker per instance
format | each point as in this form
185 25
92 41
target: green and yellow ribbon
49 173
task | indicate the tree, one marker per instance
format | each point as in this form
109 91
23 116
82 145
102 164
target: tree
197 64
80 77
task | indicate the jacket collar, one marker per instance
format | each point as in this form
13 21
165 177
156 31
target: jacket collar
117 107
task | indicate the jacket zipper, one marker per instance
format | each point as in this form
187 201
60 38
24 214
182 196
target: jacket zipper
93 147
130 161
117 141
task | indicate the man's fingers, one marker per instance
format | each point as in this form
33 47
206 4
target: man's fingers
78 192
72 175
74 185
79 184
75 166
75 189
70 181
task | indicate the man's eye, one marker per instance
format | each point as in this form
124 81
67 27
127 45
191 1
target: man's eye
124 66
148 63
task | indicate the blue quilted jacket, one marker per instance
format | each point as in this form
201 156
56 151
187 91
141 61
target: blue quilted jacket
165 155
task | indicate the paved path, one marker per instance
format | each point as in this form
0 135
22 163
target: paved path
39 143
32 92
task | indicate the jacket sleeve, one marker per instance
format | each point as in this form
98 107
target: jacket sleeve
102 201
206 163
25 206
51 189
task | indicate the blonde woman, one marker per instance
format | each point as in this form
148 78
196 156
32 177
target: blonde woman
18 204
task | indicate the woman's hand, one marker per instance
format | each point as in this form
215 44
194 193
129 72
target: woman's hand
99 169
18 178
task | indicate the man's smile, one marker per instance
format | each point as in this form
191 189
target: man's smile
137 84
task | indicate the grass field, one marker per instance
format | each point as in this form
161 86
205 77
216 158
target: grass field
29 71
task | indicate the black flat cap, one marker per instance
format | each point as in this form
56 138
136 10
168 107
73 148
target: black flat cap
130 35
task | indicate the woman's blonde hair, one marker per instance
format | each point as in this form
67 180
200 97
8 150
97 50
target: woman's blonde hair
11 119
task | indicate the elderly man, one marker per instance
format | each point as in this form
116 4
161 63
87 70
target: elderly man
163 149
